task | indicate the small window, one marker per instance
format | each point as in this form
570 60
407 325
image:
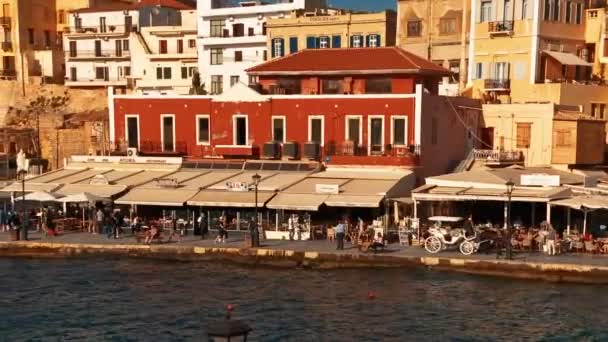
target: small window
125 44
278 48
217 56
73 52
414 28
323 42
447 26
250 32
191 43
579 13
238 56
278 129
240 130
373 40
356 41
162 46
217 27
234 80
168 136
202 130
167 73
180 46
217 84
563 138
184 72
127 71
400 131
100 73
315 130
524 135
486 11
293 44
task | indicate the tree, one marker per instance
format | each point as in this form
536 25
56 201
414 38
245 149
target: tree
198 88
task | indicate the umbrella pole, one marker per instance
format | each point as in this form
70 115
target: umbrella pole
569 221
585 222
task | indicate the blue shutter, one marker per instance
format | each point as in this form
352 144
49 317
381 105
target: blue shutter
352 41
317 42
293 44
282 45
310 42
336 42
367 40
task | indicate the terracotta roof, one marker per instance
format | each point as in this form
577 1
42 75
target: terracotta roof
175 4
385 60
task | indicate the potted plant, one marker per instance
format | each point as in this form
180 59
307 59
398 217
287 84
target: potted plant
112 28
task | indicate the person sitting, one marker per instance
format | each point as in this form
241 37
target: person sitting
378 243
152 234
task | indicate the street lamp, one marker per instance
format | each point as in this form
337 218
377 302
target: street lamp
22 166
228 330
256 182
509 186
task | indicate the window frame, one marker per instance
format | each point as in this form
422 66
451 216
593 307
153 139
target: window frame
347 119
219 57
414 24
443 23
369 132
357 40
162 131
213 26
220 82
314 117
272 127
136 116
518 142
198 129
324 42
405 133
234 132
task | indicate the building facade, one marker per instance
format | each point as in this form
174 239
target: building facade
232 37
323 29
433 30
381 124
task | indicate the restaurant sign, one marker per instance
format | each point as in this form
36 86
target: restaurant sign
539 180
327 188
237 186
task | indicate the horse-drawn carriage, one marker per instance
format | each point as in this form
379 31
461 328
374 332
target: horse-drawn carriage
449 231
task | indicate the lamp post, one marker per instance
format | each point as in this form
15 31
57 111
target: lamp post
509 186
22 166
256 182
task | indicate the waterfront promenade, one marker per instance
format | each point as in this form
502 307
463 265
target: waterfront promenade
316 254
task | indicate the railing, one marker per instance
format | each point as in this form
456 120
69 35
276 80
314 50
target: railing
504 26
97 53
228 35
349 149
108 29
7 46
8 73
93 80
498 156
497 84
5 21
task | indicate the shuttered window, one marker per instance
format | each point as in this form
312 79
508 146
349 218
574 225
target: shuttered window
524 135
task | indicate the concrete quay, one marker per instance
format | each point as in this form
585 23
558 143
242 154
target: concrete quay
314 255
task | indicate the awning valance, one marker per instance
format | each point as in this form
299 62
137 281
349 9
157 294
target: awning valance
157 197
230 199
304 202
105 191
31 187
582 202
566 58
347 201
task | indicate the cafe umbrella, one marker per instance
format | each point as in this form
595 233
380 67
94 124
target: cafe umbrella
82 198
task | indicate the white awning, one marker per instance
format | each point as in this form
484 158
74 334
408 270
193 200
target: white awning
582 202
157 197
304 202
347 201
31 187
230 199
566 58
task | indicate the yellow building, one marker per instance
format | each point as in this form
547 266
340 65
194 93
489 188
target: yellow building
433 30
529 51
329 29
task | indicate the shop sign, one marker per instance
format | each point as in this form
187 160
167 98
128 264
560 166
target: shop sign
99 180
237 186
327 188
539 180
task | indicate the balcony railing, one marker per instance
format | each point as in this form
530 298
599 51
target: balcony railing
5 22
108 29
95 80
491 84
349 149
98 54
496 27
228 35
7 46
496 156
8 74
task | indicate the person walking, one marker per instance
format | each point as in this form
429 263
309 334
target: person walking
291 226
340 233
203 225
99 218
551 237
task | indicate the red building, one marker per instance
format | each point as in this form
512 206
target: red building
342 106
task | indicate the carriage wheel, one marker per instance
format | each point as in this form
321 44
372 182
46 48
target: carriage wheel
467 248
432 244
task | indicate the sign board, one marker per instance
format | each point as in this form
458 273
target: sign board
99 180
127 160
237 186
333 189
539 180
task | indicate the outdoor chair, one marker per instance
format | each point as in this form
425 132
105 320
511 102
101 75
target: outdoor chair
331 234
591 247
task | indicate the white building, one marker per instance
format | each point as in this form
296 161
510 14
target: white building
145 46
232 36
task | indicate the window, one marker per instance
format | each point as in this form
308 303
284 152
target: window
568 12
102 24
47 38
98 48
524 9
217 84
524 131
556 10
191 71
356 41
101 73
379 85
354 129
132 131
293 44
217 28
60 17
289 86
434 131
501 71
376 134
331 86
118 50
73 52
278 129
278 49
217 56
563 138
336 42
263 28
234 80
180 46
579 13
238 56
507 13
250 32
127 71
203 132
78 23
312 42
486 11
414 28
324 42
373 40
238 30
479 71
73 74
547 10
163 73
399 129
168 132
191 43
239 125
162 46
58 39
125 44
315 129
184 72
447 26
30 36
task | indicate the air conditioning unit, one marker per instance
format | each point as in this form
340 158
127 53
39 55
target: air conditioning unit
271 150
291 150
312 151
131 152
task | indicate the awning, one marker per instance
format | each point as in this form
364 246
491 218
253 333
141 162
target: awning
31 187
304 202
157 197
403 200
230 199
581 202
566 58
347 201
105 191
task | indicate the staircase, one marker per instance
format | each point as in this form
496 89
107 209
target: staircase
143 43
465 164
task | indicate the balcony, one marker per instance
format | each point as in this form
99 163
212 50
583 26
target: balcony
501 27
97 54
5 22
109 30
346 153
491 84
496 157
228 39
7 46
